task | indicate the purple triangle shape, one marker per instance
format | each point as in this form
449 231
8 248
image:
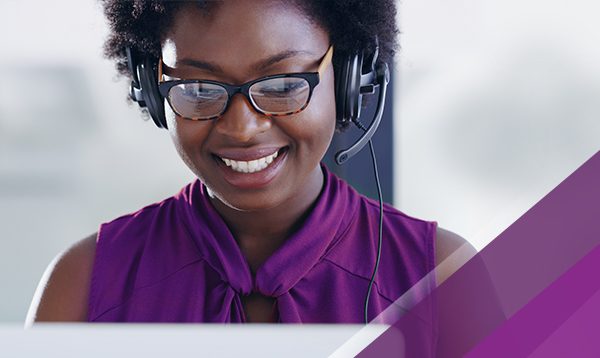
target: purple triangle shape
521 262
527 329
578 336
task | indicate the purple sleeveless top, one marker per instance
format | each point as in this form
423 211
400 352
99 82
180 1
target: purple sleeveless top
176 261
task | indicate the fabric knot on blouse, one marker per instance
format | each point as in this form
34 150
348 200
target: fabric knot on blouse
176 261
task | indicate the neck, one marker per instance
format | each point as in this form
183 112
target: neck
260 233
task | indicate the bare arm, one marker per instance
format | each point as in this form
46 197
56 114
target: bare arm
62 294
451 252
469 309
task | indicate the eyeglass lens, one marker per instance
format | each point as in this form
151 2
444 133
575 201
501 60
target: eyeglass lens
198 100
280 95
273 96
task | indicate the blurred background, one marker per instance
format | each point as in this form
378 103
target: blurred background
495 103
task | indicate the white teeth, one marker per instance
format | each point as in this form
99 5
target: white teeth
251 166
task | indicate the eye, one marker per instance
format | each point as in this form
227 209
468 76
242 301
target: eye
198 100
280 95
197 92
280 87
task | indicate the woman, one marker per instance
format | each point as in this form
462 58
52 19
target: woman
266 234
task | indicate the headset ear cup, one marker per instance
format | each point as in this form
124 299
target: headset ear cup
148 75
341 80
347 94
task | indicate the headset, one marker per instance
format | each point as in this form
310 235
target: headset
358 75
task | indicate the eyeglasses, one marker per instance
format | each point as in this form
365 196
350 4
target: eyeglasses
278 95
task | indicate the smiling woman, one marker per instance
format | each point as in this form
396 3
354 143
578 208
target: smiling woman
266 233
282 40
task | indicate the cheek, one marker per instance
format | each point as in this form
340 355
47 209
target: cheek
188 138
175 131
321 123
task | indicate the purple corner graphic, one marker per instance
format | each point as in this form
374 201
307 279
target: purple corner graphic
532 292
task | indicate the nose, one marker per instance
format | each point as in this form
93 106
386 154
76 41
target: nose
240 121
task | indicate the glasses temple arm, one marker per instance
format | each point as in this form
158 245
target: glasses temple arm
326 62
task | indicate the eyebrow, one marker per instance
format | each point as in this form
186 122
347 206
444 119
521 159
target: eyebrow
266 63
260 65
200 64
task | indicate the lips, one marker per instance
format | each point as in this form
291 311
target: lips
251 166
250 169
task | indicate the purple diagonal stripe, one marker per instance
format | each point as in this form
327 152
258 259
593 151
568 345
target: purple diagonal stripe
533 324
526 258
578 337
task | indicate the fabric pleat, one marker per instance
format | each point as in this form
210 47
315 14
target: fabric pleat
176 261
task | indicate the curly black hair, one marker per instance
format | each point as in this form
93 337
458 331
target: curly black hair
353 26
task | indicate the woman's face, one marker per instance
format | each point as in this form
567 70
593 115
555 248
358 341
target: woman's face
239 41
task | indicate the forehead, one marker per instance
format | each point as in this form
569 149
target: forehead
239 31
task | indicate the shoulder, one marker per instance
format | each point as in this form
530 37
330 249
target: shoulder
62 294
407 247
451 252
423 239
127 233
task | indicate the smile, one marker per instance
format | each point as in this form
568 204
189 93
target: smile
251 166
